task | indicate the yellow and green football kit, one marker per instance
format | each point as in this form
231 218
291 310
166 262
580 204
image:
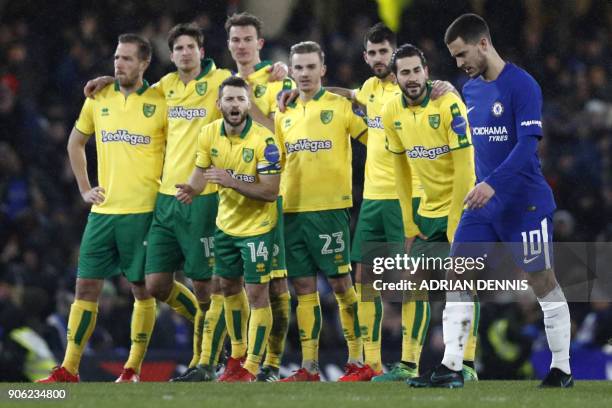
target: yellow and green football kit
317 191
179 232
434 137
130 133
245 228
265 96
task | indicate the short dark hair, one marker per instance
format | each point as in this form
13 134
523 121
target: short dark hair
379 33
307 47
144 46
235 81
190 29
404 51
244 20
469 27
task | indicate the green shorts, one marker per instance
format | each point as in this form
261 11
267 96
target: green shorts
279 266
250 257
434 229
317 240
183 234
380 221
114 244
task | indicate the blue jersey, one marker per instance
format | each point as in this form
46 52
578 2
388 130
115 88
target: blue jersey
500 112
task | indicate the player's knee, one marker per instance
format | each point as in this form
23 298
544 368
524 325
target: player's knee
542 282
202 289
341 284
139 290
304 286
278 287
88 289
230 287
258 295
158 287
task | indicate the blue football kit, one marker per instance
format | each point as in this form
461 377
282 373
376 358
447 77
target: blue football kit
505 117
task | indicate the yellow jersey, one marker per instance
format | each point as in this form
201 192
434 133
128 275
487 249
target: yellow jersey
190 107
265 93
427 133
246 156
315 138
130 136
379 173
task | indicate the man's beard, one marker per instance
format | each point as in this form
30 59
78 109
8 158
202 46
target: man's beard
413 98
383 74
230 119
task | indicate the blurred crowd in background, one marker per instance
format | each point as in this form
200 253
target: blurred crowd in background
48 50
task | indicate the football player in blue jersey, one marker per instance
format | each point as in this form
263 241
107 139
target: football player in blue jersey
511 202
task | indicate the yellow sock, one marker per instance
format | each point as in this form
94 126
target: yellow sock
237 318
415 322
260 326
308 313
183 301
143 321
214 332
470 348
198 327
348 306
370 313
281 312
81 323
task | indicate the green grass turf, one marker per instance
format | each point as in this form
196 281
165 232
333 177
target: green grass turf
585 394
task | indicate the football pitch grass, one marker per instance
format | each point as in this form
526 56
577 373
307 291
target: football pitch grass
591 394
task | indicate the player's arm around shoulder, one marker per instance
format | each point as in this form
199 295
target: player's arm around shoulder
356 122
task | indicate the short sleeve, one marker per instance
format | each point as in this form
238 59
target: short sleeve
361 94
527 102
85 123
203 158
454 119
357 126
268 157
393 142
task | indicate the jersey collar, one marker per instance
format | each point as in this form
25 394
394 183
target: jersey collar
423 104
316 97
261 65
139 91
247 127
207 65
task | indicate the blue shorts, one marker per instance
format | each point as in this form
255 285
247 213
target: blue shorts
528 239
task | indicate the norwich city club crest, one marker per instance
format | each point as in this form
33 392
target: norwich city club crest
327 116
260 90
247 154
201 88
148 109
434 121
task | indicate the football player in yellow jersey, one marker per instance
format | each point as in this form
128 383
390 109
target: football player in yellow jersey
315 132
241 157
245 43
180 234
129 122
431 138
